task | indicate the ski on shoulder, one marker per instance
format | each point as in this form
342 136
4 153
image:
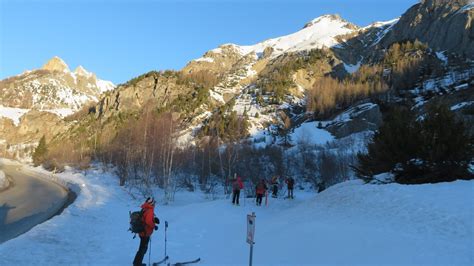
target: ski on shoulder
186 262
160 262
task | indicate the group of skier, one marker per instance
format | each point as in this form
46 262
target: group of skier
150 221
261 189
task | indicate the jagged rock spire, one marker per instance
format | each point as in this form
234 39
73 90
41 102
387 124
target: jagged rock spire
56 64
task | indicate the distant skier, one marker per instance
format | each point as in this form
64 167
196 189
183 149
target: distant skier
290 182
260 189
149 222
275 186
237 185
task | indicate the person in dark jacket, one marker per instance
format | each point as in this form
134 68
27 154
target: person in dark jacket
290 182
275 186
260 189
150 221
237 185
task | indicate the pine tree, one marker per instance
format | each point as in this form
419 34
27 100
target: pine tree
395 141
435 148
445 149
39 155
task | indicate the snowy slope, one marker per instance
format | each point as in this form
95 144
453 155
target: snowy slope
310 134
318 33
350 223
385 26
105 85
13 114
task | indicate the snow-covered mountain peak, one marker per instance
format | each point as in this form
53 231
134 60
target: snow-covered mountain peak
81 71
52 87
56 64
328 18
318 33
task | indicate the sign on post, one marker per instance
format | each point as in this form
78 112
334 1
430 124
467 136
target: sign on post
250 228
251 234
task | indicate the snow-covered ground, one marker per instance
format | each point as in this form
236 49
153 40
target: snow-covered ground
350 223
309 133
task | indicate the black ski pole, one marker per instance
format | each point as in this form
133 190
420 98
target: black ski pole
149 253
166 229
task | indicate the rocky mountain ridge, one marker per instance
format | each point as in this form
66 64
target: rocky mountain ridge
35 102
53 86
443 25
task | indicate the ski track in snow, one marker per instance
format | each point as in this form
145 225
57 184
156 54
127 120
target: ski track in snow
350 223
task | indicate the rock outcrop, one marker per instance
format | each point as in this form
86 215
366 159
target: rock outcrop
56 64
360 118
444 25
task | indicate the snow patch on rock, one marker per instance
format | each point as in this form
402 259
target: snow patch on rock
387 27
105 85
352 68
13 113
205 59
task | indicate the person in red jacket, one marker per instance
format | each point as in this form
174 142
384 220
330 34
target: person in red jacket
236 187
260 190
149 221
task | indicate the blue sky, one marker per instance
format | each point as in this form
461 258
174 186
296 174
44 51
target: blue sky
119 40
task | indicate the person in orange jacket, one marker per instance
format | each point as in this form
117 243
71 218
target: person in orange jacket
237 185
149 222
260 190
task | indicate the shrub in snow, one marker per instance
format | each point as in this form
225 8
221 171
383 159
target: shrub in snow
435 149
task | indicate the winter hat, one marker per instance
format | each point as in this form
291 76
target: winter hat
150 200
